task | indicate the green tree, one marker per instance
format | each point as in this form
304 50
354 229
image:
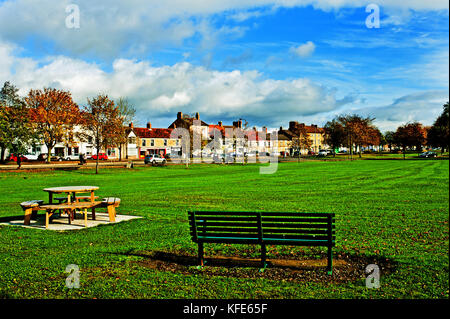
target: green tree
334 134
438 134
389 137
128 113
15 131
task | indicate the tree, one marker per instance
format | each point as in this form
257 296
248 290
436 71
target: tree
103 122
301 139
53 116
359 132
438 134
15 131
389 137
127 113
409 135
334 134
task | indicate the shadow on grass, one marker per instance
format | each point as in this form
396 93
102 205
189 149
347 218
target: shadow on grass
346 268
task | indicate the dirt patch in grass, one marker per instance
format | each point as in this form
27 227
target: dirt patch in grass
345 267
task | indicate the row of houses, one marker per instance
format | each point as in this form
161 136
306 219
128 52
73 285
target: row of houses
142 141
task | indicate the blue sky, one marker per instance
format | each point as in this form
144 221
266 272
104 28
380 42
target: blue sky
266 61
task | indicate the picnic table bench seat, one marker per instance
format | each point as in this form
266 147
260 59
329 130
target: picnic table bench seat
111 203
69 208
263 228
30 208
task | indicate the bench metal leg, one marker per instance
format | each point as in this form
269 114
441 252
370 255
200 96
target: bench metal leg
93 213
263 256
330 261
200 254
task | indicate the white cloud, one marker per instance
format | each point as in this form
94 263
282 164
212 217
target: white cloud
304 50
422 107
160 92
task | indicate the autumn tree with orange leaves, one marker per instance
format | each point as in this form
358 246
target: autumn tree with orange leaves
53 115
358 132
409 135
104 123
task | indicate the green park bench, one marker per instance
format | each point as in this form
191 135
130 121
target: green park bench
263 228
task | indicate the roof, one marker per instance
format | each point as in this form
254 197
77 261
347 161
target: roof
185 123
144 132
314 129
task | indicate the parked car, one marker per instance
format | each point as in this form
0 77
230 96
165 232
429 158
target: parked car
42 157
322 153
72 157
56 158
154 159
428 154
31 157
13 157
101 156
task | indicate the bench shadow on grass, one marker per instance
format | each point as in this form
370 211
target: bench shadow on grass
346 268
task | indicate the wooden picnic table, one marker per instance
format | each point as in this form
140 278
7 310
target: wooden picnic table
70 190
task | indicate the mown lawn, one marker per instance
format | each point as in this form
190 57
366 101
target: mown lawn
387 209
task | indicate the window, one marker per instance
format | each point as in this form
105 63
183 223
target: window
165 142
178 143
143 142
152 142
132 140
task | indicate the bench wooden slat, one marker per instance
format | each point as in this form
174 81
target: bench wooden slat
226 224
296 231
295 219
294 225
224 234
228 229
223 218
279 214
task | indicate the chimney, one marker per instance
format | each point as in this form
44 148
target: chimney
281 128
240 123
149 125
197 116
131 125
220 123
264 129
179 115
292 125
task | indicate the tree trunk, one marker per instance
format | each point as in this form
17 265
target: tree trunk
49 152
404 152
2 154
96 162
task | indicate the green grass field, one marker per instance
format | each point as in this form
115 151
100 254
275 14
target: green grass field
387 211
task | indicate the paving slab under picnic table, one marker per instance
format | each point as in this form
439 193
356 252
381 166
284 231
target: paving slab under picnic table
60 223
